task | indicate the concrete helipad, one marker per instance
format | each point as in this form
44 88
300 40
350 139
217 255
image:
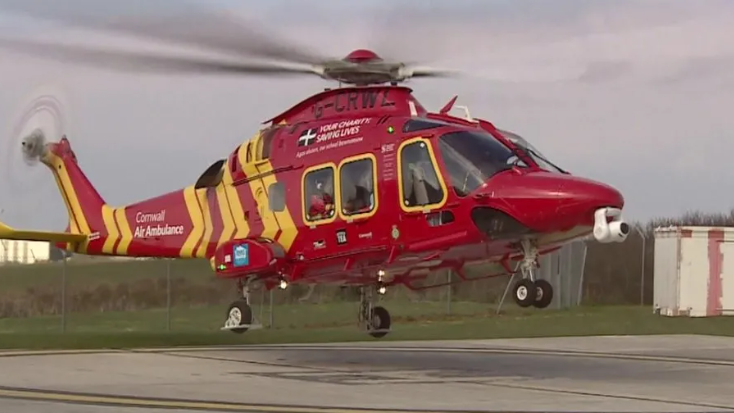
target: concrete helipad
611 374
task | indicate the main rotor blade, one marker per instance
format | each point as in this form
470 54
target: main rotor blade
429 72
185 23
144 62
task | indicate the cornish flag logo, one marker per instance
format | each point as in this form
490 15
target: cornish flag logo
307 137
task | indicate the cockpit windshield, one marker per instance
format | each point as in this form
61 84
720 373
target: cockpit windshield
534 153
472 157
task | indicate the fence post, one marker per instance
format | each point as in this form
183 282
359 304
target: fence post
63 293
260 317
271 310
449 275
642 265
580 293
168 295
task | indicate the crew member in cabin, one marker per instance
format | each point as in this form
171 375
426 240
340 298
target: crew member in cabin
322 201
357 183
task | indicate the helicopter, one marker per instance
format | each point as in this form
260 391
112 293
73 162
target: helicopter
358 185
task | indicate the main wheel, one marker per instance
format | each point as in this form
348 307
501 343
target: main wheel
238 314
543 294
380 322
524 293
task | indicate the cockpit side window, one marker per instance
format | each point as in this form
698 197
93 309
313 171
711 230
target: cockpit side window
472 157
420 184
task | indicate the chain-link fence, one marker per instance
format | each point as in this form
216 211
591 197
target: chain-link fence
84 294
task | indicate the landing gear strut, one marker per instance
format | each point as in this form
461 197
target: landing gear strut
239 314
529 291
374 319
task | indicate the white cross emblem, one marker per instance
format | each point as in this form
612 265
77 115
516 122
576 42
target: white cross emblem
307 137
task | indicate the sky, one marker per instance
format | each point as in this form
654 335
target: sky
636 94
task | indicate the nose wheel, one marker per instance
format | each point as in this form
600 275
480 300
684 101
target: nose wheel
538 293
529 291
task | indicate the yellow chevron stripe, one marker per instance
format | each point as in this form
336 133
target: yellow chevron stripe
203 201
235 206
228 226
73 226
71 192
72 201
127 234
108 215
197 227
270 225
288 228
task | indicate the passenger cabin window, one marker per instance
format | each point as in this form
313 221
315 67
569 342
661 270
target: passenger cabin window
472 157
420 183
357 186
266 141
233 160
318 194
276 197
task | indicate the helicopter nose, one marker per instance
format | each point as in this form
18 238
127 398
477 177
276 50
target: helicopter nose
547 202
580 198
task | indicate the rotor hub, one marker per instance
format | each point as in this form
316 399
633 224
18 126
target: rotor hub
362 56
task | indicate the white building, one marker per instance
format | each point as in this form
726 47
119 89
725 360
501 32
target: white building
24 252
694 271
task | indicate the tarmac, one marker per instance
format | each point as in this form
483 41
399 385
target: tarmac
583 374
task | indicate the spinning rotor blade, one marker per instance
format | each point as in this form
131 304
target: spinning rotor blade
412 72
184 23
46 111
145 62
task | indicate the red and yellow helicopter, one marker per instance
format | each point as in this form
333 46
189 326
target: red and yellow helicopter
359 185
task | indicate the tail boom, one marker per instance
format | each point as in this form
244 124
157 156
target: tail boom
7 232
188 223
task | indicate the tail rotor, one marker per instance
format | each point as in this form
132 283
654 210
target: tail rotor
40 119
33 146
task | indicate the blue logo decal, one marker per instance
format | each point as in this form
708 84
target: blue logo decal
241 255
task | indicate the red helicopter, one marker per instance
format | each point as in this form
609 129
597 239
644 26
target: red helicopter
359 185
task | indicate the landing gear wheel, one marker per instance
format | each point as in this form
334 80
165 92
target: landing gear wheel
543 294
238 314
524 293
379 324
